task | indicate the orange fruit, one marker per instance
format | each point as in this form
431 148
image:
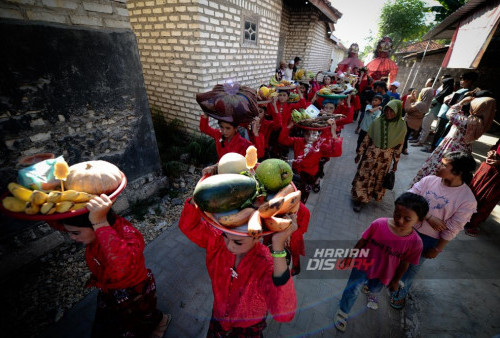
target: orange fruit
251 157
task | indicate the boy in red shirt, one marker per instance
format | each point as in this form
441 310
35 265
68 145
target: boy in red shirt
308 152
248 281
126 303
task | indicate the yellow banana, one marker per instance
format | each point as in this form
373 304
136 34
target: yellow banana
46 207
32 208
13 204
69 195
78 206
54 196
38 197
63 206
19 191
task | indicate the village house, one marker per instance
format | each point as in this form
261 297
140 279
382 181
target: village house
188 46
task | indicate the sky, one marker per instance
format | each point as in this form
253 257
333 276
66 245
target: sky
359 20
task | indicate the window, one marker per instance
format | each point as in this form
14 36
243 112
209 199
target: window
250 27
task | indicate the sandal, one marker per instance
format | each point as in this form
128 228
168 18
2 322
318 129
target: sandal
365 290
316 188
372 302
472 232
397 303
341 320
160 330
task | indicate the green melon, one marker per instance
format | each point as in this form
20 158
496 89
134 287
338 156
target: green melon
274 174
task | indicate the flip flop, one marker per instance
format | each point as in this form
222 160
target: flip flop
162 327
396 302
341 320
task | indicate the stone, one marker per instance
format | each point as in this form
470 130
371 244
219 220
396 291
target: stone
177 201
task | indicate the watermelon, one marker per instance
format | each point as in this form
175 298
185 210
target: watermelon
224 192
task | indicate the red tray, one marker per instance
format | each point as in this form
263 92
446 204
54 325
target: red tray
56 216
310 128
212 220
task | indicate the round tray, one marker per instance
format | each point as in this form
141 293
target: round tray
263 103
295 101
56 216
285 87
310 128
242 230
332 96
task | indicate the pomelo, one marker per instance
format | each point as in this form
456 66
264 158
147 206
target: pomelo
232 163
274 174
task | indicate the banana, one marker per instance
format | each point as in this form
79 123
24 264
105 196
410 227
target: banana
271 208
234 220
38 197
78 206
13 204
83 197
63 206
69 195
290 202
285 191
46 207
255 224
19 191
32 208
277 224
54 196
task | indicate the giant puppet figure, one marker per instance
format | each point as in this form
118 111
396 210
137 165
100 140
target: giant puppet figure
382 65
351 61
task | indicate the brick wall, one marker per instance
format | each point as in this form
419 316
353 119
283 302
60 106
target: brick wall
307 38
188 46
91 13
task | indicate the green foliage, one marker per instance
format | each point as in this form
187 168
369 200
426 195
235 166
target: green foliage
447 7
174 168
403 20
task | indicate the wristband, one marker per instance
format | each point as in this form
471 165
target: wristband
278 254
98 224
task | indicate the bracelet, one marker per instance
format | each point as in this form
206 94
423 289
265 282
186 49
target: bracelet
437 249
278 254
98 224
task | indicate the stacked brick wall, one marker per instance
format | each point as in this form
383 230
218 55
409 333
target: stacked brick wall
285 23
307 38
188 46
90 13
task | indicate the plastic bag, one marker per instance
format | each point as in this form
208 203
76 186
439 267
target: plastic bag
40 175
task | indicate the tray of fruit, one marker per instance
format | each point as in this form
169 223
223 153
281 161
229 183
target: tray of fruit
251 204
294 97
82 182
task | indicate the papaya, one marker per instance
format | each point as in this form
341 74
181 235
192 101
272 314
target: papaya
235 220
271 208
224 192
251 157
255 224
277 224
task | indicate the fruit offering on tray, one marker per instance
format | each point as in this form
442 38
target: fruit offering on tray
299 115
82 182
265 93
294 97
283 83
231 200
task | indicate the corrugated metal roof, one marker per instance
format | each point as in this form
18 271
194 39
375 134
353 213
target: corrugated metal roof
446 28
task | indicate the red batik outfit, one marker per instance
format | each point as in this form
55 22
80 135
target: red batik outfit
297 247
237 144
349 115
244 300
308 165
285 110
126 303
265 130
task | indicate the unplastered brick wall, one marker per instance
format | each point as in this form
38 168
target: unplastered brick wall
188 46
307 38
90 13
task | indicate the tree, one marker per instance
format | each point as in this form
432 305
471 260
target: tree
447 7
403 20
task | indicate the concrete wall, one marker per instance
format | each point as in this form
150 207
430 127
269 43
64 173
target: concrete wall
71 84
188 46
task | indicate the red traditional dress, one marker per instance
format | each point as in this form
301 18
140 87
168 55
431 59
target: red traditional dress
486 187
243 296
126 304
285 110
382 65
297 247
237 144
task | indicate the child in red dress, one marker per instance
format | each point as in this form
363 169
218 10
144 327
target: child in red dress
248 281
126 303
308 152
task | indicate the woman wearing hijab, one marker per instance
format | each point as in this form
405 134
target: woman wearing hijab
381 146
415 112
464 131
444 90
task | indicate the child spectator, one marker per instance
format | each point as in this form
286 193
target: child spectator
308 151
380 88
126 302
371 113
393 244
227 139
248 281
393 90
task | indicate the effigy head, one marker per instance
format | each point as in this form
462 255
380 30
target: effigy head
353 50
384 47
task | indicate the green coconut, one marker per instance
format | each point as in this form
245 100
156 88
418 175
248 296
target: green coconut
274 174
